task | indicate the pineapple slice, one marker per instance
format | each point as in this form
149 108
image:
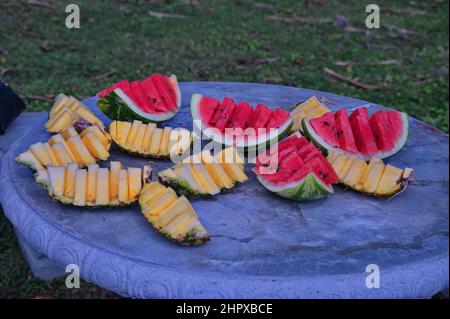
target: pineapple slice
219 175
133 133
39 151
172 216
137 144
81 180
235 172
179 142
102 136
61 154
69 132
60 121
121 132
115 168
152 190
102 192
184 173
134 182
123 186
56 176
27 158
165 140
374 178
390 180
52 156
91 189
156 142
148 138
58 138
95 146
80 151
159 202
355 173
70 182
311 108
204 179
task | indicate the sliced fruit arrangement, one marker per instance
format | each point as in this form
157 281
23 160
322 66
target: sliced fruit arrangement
205 174
380 135
239 124
86 148
172 216
309 109
296 169
94 186
150 141
374 178
68 111
154 99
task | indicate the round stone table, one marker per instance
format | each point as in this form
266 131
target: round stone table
262 246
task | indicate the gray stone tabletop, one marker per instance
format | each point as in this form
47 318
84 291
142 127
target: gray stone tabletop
261 245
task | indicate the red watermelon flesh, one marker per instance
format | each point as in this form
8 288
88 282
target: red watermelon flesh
136 93
382 130
166 99
168 87
364 139
396 122
279 116
124 84
153 95
221 109
240 115
295 163
344 131
226 109
208 106
326 127
254 116
263 116
361 111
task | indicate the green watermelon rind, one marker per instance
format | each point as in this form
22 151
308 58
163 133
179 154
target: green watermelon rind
308 188
219 138
118 106
325 146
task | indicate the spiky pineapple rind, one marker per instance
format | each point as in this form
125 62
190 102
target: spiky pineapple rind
181 187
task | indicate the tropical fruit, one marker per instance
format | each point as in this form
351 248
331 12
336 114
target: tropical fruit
309 109
154 99
380 135
95 186
150 141
296 169
68 111
172 216
238 124
86 148
374 178
205 174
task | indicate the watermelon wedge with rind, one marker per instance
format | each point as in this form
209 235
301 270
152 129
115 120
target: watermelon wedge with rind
309 187
230 140
325 146
117 105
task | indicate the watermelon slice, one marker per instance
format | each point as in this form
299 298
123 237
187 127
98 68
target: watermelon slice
381 135
154 99
344 131
241 116
327 126
303 172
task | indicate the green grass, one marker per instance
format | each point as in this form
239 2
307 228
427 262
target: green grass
226 41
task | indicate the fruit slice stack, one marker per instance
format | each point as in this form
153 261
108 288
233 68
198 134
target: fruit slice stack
374 178
204 174
86 148
66 111
172 216
150 141
296 169
310 109
154 99
380 135
95 186
238 123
